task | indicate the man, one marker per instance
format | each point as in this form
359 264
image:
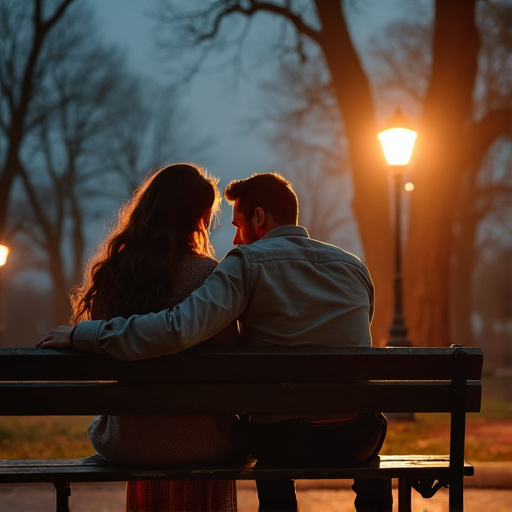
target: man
285 289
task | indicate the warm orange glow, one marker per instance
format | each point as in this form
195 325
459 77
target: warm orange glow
4 252
397 144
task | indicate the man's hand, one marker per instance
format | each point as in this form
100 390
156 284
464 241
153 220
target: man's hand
59 337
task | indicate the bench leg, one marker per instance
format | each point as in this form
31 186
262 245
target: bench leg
404 495
456 496
63 490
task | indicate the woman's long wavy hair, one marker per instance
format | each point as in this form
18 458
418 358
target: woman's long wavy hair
166 219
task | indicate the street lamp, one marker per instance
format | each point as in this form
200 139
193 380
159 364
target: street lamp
4 252
397 141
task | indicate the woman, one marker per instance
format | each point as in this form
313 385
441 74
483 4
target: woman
156 255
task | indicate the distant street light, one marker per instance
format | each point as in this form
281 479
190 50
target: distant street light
4 252
398 143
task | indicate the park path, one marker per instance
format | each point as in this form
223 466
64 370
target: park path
110 498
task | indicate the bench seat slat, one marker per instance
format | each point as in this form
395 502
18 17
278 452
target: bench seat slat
92 470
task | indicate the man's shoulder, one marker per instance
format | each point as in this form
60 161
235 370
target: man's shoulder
295 246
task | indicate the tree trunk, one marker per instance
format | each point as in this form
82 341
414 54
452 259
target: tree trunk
461 294
369 175
469 214
7 174
438 172
61 313
426 265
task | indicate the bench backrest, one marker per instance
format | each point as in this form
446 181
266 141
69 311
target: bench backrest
255 379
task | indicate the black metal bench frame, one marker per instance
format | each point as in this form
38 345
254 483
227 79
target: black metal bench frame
265 380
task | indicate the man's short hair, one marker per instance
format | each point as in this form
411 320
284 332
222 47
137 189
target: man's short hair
269 191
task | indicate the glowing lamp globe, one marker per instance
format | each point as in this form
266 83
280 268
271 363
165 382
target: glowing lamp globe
398 140
4 252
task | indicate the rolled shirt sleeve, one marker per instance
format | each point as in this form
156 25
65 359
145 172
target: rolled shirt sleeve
209 309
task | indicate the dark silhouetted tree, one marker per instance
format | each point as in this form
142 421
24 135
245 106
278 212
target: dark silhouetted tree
25 61
93 130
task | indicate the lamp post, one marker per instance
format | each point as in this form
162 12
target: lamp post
4 252
397 141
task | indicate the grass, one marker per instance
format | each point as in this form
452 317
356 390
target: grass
39 437
428 434
488 434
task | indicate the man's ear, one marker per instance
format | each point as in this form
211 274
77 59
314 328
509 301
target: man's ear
261 218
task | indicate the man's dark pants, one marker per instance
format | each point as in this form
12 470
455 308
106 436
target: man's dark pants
302 443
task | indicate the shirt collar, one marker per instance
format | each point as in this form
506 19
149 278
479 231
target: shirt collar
288 230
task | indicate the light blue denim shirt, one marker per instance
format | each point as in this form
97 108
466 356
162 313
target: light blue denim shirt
285 289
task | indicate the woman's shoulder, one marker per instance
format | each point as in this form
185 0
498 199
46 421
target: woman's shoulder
197 263
189 274
199 259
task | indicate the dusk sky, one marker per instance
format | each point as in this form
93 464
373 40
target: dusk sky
219 110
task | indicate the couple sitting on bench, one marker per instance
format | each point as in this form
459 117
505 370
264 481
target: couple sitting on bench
276 287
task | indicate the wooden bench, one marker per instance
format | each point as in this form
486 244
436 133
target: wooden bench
206 380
